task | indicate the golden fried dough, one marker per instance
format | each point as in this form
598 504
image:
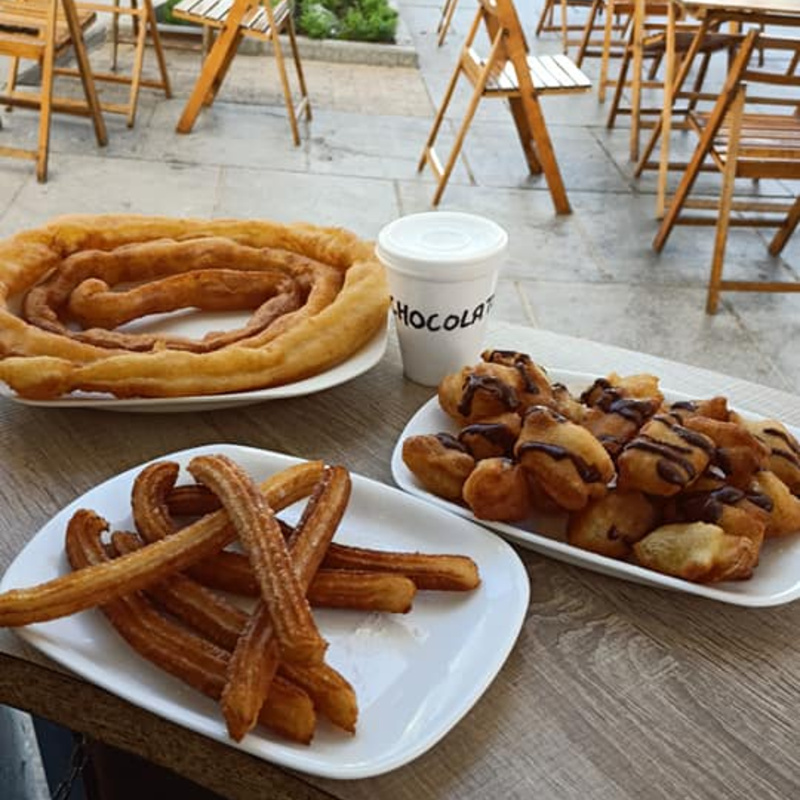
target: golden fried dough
785 514
491 437
784 450
474 393
439 462
664 458
738 453
534 385
565 459
697 551
612 524
497 489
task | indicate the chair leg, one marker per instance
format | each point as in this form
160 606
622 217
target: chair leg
152 23
564 31
298 65
85 72
447 18
725 203
48 65
114 38
636 89
786 230
439 119
287 90
618 90
525 133
13 73
587 32
546 9
136 75
699 80
607 30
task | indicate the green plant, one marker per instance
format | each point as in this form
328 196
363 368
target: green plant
358 20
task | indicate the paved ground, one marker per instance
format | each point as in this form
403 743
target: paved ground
592 274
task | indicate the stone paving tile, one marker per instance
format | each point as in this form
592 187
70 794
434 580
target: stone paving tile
362 205
81 184
389 147
541 244
669 321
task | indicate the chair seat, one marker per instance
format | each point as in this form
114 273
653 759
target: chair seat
767 143
25 23
549 74
212 13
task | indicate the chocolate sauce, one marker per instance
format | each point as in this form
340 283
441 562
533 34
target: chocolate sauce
496 433
709 506
487 383
450 442
587 472
519 361
695 439
612 401
792 455
672 466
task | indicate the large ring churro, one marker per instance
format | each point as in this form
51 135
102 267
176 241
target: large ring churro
329 298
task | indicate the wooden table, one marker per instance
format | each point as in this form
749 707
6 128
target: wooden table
613 690
710 13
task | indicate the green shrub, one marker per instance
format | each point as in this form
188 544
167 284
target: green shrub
356 20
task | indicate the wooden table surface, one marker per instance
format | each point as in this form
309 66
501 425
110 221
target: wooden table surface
613 690
749 6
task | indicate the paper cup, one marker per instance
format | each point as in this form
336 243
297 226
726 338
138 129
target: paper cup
442 269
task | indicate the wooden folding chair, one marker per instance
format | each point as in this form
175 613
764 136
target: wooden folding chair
508 73
742 143
36 31
236 19
647 41
144 25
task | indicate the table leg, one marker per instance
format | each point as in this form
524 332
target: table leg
666 116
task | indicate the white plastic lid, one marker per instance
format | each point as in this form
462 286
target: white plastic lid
432 244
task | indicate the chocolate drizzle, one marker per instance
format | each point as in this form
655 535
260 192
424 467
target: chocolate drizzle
587 472
450 442
611 400
496 433
487 383
792 455
709 506
520 362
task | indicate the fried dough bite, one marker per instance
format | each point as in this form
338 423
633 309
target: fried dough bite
497 489
713 408
697 551
664 458
739 454
619 407
738 513
784 518
784 450
534 387
611 525
440 463
564 458
491 437
474 393
567 404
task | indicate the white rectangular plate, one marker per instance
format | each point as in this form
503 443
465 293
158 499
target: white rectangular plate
416 675
776 579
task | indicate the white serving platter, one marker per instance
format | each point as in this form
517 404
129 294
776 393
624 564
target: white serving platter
415 675
361 361
776 579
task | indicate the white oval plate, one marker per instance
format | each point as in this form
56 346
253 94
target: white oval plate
366 358
776 579
416 675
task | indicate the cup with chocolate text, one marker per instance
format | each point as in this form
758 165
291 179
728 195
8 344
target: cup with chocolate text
442 269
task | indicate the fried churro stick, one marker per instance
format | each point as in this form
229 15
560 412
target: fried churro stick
222 623
439 572
254 520
155 499
255 655
229 571
100 583
199 663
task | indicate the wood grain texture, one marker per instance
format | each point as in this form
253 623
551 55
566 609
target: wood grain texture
613 691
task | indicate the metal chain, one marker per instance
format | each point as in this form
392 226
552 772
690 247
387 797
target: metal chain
77 763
